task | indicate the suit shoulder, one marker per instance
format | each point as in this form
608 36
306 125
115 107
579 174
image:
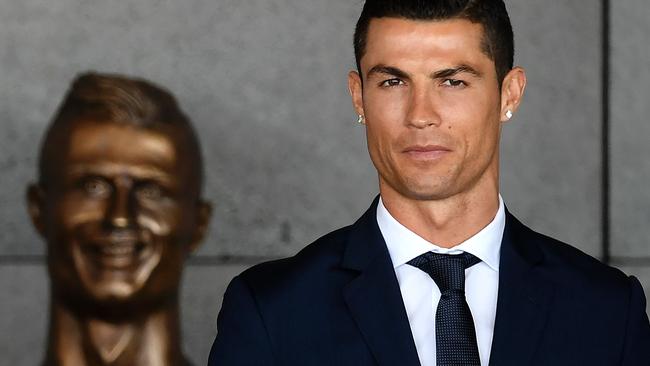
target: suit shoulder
578 268
316 258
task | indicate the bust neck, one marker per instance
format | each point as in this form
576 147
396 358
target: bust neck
152 339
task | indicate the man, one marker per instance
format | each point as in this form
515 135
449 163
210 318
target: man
118 201
436 272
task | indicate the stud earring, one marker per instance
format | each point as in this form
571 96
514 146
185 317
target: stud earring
508 114
360 120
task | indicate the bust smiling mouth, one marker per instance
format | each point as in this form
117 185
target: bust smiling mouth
123 262
117 254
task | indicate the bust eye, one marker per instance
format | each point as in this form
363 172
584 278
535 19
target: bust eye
97 187
392 82
149 191
454 83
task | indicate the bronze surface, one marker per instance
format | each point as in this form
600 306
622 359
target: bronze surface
118 203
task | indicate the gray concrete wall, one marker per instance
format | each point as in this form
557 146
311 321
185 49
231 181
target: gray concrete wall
265 83
630 133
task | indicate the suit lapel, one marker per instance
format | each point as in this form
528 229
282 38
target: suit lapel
523 300
373 297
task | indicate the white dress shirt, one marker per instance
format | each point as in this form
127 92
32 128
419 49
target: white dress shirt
420 293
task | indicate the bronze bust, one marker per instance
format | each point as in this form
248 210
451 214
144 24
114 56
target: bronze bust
118 202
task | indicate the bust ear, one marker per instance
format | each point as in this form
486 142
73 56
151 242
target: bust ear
35 206
203 216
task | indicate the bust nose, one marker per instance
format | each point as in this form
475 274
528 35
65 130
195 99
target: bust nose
120 212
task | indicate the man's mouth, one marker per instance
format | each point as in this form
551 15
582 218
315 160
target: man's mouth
426 152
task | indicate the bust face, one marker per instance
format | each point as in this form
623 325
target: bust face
120 213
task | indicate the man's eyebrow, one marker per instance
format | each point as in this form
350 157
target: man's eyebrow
455 71
387 70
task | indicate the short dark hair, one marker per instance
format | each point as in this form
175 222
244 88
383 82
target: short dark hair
121 99
491 14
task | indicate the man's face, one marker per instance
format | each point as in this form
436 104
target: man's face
120 212
432 105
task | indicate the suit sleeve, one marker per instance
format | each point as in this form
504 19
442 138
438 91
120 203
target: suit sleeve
242 339
637 339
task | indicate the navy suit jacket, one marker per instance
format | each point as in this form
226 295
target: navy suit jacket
338 302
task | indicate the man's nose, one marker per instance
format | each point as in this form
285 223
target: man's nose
121 209
422 111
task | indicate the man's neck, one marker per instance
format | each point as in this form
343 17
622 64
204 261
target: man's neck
83 341
446 222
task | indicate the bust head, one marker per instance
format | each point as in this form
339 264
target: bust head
118 199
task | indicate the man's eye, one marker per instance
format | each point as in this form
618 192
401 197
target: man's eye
453 83
97 187
391 82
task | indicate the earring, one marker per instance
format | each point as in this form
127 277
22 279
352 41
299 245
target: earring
508 114
360 120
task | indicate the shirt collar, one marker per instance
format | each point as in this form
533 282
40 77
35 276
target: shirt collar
404 245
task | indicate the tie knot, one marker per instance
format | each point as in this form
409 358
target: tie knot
448 271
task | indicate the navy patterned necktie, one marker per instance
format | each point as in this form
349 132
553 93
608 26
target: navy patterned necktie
455 334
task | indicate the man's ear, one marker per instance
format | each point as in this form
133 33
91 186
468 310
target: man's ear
355 88
35 206
203 215
512 92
